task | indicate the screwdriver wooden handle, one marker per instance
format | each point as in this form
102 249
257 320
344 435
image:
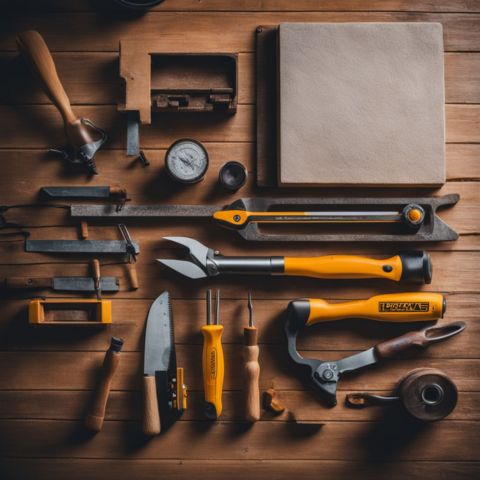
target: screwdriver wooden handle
394 307
96 415
414 266
26 283
151 415
213 370
252 375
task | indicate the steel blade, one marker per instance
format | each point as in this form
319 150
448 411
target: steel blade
359 360
189 269
76 192
133 133
85 284
142 211
79 246
158 336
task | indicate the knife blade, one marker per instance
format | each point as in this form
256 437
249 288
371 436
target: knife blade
157 362
66 284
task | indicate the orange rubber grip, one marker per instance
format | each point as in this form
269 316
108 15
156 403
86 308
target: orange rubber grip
344 266
395 307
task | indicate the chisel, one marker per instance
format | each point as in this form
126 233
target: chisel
252 368
213 364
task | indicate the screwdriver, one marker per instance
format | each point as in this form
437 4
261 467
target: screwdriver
252 368
213 364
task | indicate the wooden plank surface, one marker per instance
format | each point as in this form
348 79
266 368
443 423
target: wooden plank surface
48 375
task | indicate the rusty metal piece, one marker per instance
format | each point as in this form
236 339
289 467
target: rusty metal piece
271 403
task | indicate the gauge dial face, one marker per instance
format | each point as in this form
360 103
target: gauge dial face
187 161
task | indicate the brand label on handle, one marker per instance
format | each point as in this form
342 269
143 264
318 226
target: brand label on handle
403 306
213 364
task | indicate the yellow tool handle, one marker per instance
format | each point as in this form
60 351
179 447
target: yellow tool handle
252 375
395 307
213 369
344 266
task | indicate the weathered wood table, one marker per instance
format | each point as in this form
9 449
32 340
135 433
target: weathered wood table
47 375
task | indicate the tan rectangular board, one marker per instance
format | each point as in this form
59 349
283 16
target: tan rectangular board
394 142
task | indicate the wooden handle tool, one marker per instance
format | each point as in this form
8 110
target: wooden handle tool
94 419
96 277
252 369
419 339
151 415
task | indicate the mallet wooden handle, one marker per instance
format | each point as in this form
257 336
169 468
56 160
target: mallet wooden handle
151 415
252 375
94 419
33 47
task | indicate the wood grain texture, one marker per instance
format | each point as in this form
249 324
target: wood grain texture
92 78
76 469
48 376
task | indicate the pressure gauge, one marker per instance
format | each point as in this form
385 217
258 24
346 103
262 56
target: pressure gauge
186 161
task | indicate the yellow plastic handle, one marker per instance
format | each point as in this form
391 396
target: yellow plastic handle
395 307
344 266
213 367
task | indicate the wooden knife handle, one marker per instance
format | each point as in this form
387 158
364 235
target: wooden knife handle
132 276
26 283
151 415
252 375
34 48
94 419
419 339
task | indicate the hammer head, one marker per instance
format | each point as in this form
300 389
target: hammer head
323 375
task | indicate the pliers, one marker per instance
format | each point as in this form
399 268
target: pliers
206 262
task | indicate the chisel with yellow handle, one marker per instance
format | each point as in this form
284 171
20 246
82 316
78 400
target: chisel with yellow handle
213 363
391 307
206 262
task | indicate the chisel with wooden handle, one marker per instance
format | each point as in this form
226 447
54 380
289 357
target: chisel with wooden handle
94 419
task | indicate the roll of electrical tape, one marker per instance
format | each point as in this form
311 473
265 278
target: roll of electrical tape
428 394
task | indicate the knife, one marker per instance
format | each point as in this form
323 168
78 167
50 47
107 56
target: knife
165 394
66 284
